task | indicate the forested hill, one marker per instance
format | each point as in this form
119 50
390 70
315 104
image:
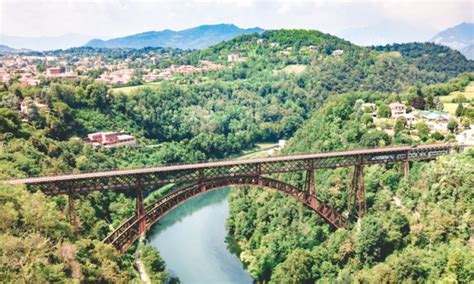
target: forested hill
416 230
319 55
279 80
431 57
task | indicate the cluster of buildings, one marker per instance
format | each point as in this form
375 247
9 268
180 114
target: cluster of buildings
24 69
117 77
111 139
436 120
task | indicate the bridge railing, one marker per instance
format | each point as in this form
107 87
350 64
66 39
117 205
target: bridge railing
229 159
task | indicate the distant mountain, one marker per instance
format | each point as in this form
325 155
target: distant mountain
194 38
460 37
468 51
45 43
5 49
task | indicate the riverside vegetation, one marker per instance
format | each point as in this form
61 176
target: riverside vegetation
221 113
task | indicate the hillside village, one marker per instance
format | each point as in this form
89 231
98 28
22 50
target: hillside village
400 117
147 66
154 66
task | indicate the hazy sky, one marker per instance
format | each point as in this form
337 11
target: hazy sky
107 18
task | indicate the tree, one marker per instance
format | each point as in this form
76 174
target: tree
437 136
375 138
423 130
466 123
366 119
383 111
295 269
400 125
418 101
459 110
371 244
9 121
452 125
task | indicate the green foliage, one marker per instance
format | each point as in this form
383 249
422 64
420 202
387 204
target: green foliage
383 111
154 264
452 125
423 130
295 269
400 124
459 110
197 117
37 244
416 230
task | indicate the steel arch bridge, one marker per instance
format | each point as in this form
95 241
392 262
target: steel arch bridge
202 177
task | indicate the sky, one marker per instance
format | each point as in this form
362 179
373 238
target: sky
105 19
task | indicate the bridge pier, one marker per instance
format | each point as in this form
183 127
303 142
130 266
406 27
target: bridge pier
140 208
405 168
311 188
357 195
72 213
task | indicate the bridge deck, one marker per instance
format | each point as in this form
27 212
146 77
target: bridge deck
224 163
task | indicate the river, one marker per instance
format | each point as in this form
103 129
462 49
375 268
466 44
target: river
191 240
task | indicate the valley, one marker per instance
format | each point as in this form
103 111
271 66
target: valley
276 92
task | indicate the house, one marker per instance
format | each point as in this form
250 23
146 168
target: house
438 116
466 138
53 71
398 109
337 52
111 139
235 58
410 119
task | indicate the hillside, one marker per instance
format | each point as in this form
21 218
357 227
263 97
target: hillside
416 230
460 37
194 38
431 57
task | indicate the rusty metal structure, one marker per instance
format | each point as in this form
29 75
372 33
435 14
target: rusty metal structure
195 179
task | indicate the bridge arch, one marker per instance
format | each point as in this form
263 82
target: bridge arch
130 230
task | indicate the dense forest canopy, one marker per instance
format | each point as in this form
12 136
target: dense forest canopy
415 230
223 112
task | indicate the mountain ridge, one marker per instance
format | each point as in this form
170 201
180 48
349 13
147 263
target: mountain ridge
459 37
193 38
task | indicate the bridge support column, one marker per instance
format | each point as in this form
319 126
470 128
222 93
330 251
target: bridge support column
202 186
311 188
406 169
140 208
358 191
72 213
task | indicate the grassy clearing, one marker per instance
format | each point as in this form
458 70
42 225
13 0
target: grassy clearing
468 93
294 69
128 90
450 108
259 152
